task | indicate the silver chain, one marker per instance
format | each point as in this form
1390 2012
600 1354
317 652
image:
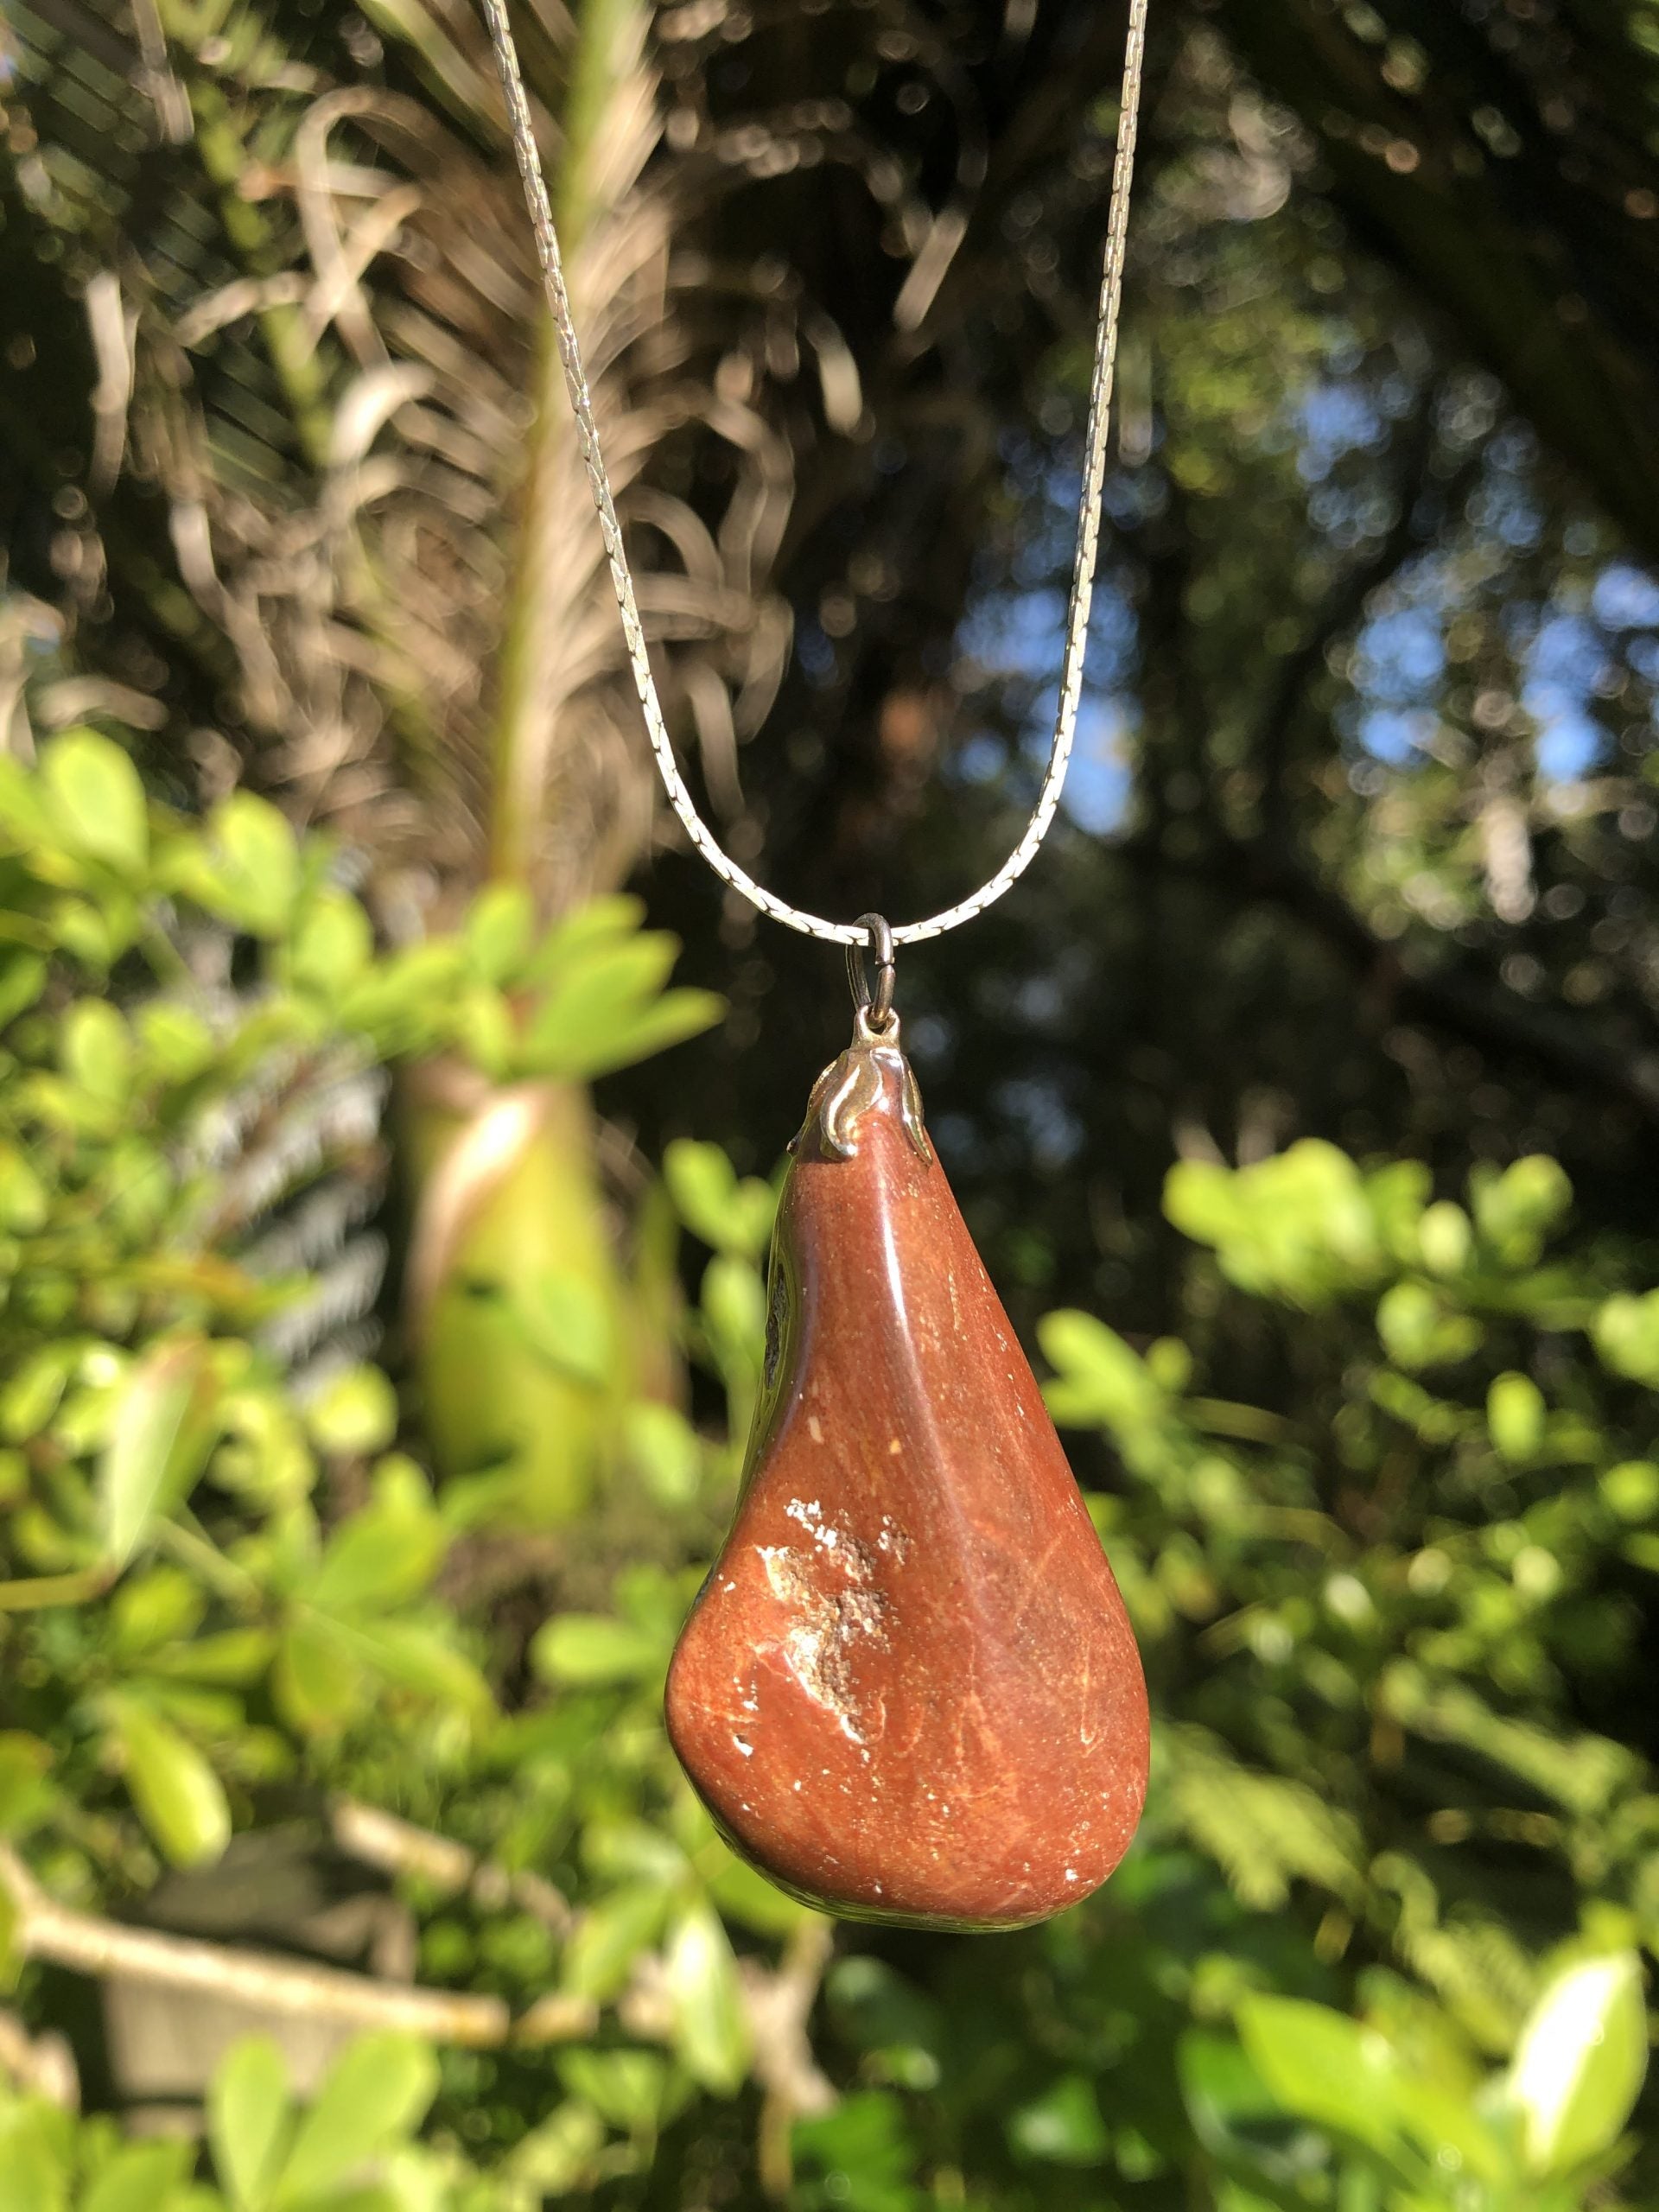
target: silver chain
1082 574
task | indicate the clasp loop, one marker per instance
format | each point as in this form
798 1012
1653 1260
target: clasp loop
872 1009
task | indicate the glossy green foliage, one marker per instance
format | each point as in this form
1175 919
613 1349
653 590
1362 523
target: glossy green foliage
1376 1946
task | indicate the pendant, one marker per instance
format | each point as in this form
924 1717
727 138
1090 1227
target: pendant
908 1690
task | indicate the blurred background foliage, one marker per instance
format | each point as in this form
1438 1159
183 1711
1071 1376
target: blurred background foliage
381 1265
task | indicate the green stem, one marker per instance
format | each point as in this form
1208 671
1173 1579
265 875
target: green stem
35 1592
193 1548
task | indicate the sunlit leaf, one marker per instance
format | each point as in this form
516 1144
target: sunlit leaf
600 1956
140 2178
1062 2126
355 1411
1581 2062
1323 2067
634 2090
98 798
378 2092
732 1216
179 1797
1515 1417
250 2119
498 930
164 1427
591 1649
711 2026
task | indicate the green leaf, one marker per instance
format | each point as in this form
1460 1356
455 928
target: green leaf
1227 2101
1632 1489
484 1030
36 2149
730 1215
177 1795
574 936
356 1411
32 1396
27 823
257 863
418 1655
566 1319
558 2156
378 2093
84 933
711 2026
1515 1417
747 1898
1303 1226
235 1656
388 1551
98 799
668 1020
165 1423
95 1050
174 1040
876 2010
498 932
1445 2124
317 1682
1516 1209
404 1001
140 2178
1418 1331
22 978
610 1936
631 2089
734 1307
23 1194
151 1609
333 943
1323 2067
1445 1239
1201 1200
250 2117
25 1793
595 994
663 1449
1100 1378
864 2148
1626 1334
1062 2126
587 1650
1580 2064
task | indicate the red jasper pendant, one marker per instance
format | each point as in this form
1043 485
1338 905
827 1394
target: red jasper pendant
908 1691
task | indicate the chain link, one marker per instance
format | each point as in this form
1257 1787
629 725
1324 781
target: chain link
1082 575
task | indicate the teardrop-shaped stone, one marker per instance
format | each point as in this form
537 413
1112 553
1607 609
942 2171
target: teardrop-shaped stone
908 1690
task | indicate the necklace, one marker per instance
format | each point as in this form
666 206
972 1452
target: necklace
907 1690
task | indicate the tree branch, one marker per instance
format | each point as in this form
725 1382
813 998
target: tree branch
1477 1006
1472 1006
780 2006
44 2065
86 1944
394 1846
1344 603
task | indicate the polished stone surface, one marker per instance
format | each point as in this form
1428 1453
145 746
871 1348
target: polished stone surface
908 1689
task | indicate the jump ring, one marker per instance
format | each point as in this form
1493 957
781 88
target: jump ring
874 1007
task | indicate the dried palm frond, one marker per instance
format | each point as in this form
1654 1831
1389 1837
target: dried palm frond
315 305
